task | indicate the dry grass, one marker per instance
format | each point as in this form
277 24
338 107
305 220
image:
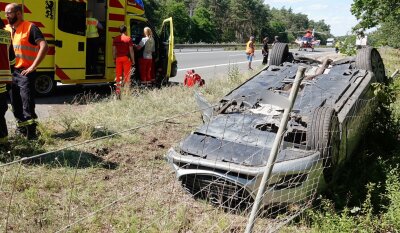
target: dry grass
47 194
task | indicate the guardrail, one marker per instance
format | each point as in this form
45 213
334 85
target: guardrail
231 46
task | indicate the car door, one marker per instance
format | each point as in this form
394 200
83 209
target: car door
70 40
167 40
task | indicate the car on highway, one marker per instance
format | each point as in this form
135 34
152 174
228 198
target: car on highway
330 42
223 160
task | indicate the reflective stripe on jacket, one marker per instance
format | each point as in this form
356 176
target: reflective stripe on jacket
5 73
25 52
91 28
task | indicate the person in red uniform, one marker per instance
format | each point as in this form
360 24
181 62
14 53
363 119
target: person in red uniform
122 47
7 59
30 48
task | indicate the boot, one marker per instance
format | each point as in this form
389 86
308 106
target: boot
21 131
31 132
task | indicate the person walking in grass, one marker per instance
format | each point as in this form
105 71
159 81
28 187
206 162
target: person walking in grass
250 47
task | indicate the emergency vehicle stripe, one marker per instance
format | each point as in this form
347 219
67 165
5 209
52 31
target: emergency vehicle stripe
116 17
61 74
51 51
48 35
38 24
113 29
116 4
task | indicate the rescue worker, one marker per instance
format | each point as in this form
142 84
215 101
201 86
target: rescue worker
265 51
276 40
122 47
7 59
146 62
30 49
250 51
92 37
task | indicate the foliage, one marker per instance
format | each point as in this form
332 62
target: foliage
374 12
348 45
216 21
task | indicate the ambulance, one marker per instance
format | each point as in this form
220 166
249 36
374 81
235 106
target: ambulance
63 24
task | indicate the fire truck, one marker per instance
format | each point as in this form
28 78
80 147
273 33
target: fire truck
63 24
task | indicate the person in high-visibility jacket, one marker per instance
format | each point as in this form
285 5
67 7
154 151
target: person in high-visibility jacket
30 48
7 59
92 40
250 51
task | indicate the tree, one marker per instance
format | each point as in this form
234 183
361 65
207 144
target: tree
203 27
374 12
179 13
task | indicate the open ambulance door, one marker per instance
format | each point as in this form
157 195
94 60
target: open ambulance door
70 40
167 40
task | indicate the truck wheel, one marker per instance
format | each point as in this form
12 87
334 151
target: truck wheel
368 58
279 53
45 84
323 135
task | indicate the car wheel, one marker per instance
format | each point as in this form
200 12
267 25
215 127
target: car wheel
279 53
323 135
368 58
45 84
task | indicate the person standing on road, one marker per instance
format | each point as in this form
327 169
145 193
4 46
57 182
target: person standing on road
7 59
30 49
276 40
122 47
265 51
146 62
250 47
93 42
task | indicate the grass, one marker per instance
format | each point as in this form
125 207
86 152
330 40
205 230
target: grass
59 189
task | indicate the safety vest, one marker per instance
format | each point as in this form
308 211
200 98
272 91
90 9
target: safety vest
5 73
249 50
25 52
91 28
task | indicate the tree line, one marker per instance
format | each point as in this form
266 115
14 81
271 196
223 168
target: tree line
384 15
224 21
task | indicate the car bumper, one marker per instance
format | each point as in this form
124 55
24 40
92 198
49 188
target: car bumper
291 181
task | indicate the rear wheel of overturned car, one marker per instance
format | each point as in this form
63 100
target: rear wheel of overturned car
323 135
279 54
368 58
45 84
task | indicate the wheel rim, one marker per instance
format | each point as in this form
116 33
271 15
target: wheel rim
43 84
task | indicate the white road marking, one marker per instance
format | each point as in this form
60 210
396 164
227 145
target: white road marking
210 66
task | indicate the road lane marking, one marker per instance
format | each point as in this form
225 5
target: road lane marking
210 66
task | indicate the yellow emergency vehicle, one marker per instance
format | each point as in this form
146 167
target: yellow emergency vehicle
63 24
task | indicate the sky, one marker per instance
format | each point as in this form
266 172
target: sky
336 13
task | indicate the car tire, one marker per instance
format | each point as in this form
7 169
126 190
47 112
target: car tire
368 58
323 136
279 53
45 85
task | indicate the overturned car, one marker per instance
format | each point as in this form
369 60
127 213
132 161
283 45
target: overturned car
224 159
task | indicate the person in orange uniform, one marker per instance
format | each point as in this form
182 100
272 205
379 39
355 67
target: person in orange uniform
122 47
7 59
250 51
30 48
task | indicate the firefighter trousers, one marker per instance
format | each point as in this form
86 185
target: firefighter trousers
3 110
22 98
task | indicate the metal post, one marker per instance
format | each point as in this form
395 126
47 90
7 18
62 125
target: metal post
275 148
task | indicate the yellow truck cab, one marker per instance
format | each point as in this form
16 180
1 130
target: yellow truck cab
63 24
